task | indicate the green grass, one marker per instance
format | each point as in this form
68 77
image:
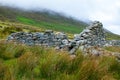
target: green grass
64 27
39 63
26 20
111 36
43 19
6 28
113 48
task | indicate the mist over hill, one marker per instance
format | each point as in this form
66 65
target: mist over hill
47 19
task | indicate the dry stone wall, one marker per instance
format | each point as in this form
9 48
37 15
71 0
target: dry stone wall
93 35
48 38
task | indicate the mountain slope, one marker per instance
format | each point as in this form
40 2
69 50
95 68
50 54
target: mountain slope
43 19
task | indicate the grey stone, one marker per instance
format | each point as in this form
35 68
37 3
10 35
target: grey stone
48 38
93 35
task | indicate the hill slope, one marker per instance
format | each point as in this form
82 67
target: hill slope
45 19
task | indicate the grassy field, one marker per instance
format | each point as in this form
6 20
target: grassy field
20 62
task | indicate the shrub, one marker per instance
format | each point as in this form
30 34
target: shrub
40 63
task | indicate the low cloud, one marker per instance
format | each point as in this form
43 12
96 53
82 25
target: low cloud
106 11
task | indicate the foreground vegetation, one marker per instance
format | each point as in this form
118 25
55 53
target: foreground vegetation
21 62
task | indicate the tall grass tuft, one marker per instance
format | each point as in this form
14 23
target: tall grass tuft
4 72
115 69
11 50
21 62
26 64
113 48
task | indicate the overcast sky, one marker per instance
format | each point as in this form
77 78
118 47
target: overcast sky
106 11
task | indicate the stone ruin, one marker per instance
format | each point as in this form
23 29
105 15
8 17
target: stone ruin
93 35
48 38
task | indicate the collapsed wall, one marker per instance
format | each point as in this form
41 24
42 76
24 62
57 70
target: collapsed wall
48 38
93 35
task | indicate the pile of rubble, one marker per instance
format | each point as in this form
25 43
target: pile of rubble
48 38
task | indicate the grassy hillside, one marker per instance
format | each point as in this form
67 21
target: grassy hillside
6 28
43 19
112 36
64 27
46 19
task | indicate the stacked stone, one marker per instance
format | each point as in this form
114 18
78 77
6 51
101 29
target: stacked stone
48 38
93 35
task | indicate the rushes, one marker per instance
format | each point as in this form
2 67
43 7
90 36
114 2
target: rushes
10 50
22 62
